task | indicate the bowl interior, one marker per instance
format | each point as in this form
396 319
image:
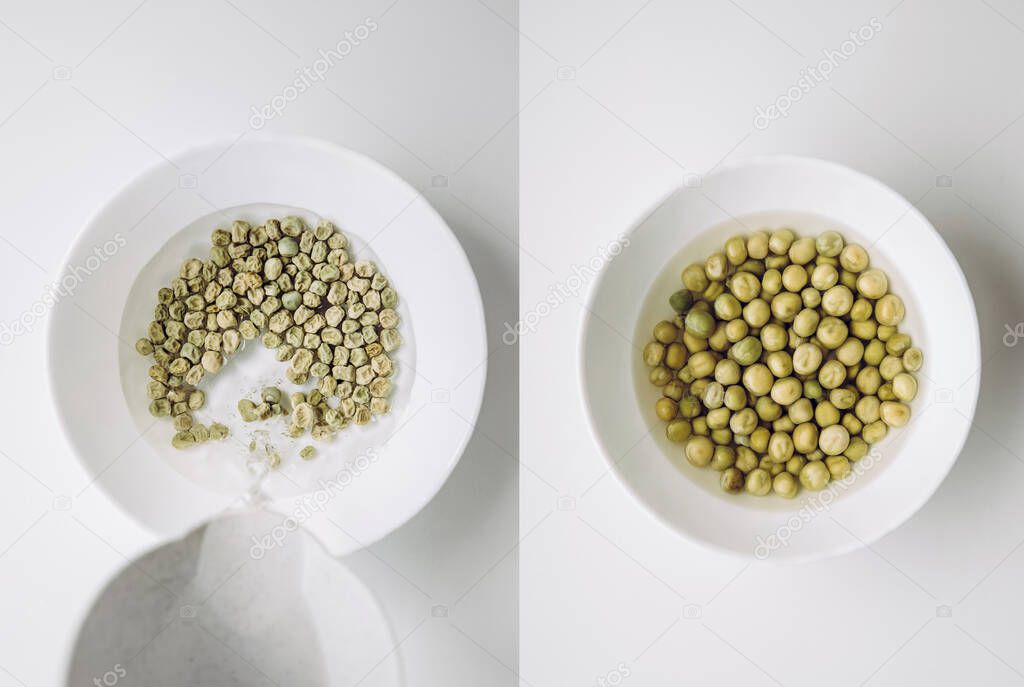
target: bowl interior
898 475
229 466
365 482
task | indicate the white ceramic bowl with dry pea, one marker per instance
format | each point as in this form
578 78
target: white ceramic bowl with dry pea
369 479
810 196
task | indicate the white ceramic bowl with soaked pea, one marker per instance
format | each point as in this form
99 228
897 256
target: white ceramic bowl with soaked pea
899 474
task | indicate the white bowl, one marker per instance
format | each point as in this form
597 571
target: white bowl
631 295
368 480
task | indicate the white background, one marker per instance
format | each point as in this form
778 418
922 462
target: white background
431 92
663 89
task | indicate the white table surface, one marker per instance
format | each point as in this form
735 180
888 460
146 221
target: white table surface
430 92
656 91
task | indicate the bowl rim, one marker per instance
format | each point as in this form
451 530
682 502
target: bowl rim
223 144
973 384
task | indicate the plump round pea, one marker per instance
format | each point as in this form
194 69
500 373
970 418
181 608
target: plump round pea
699 451
675 355
853 258
780 363
674 390
806 322
832 374
757 245
786 305
735 398
801 411
833 440
913 359
758 379
807 358
736 330
851 352
714 395
745 286
868 380
795 464
759 439
744 422
700 426
693 277
829 243
852 424
780 447
699 323
874 351
689 406
771 283
758 482
774 337
732 480
832 332
837 301
716 266
872 284
702 364
665 332
747 351
794 278
864 329
718 341
723 458
767 409
718 418
727 307
727 372
786 391
660 376
857 449
780 240
824 277
843 399
885 331
654 353
814 476
885 392
802 251
861 310
874 432
895 414
813 390
868 409
785 485
736 250
680 301
666 408
714 290
757 312
897 344
826 414
805 437
904 385
890 367
678 430
838 467
889 310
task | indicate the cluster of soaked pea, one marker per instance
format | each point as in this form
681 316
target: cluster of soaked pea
297 288
783 363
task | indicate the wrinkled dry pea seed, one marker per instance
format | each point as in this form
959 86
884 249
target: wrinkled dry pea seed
781 346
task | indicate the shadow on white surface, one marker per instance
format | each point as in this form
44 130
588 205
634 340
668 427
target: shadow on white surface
241 601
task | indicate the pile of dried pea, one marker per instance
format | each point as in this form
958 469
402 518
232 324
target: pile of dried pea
783 361
298 289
